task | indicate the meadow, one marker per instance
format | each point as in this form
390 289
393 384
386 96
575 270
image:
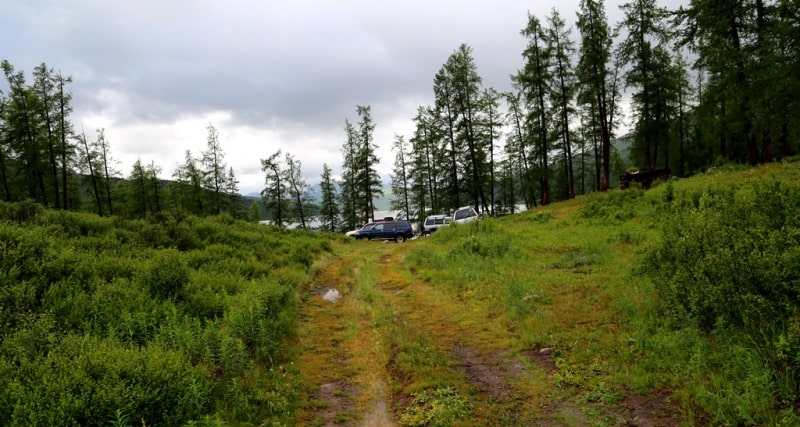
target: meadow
683 297
688 293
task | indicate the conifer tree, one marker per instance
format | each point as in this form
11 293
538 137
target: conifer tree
275 192
400 178
329 209
597 89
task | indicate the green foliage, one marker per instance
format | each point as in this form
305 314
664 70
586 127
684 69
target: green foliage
482 240
734 260
169 320
730 264
20 212
439 407
611 205
167 275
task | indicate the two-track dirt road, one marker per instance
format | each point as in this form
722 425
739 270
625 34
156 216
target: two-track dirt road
365 355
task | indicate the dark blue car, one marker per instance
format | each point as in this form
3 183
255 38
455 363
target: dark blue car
399 231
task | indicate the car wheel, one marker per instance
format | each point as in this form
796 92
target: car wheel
399 238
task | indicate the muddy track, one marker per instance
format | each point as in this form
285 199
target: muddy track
350 355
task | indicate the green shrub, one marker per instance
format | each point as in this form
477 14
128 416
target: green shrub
167 275
729 263
85 381
725 263
614 204
20 212
169 320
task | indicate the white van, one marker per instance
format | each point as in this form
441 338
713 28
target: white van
433 222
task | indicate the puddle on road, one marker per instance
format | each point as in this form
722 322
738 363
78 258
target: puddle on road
332 295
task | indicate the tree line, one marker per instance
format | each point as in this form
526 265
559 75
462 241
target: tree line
45 159
711 82
708 83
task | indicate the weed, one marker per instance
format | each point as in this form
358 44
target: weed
438 407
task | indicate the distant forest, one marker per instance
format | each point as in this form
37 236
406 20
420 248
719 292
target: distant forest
710 83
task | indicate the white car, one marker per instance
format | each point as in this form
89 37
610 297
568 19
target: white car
433 222
465 214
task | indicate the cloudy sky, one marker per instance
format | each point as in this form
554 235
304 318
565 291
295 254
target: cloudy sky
268 75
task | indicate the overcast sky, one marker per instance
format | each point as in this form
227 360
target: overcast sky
268 75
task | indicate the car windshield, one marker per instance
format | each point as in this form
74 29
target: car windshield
466 213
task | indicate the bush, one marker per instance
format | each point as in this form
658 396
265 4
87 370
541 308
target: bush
21 212
83 381
167 321
730 263
615 204
167 275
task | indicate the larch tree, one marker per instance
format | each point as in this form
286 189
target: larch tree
103 170
517 147
232 199
349 189
329 208
89 163
22 134
445 108
47 118
400 178
492 123
643 51
367 177
596 86
534 81
429 160
66 150
214 168
297 188
466 85
275 192
563 90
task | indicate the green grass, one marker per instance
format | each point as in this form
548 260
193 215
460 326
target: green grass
181 320
572 276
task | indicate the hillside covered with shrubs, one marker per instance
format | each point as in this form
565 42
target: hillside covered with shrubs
162 321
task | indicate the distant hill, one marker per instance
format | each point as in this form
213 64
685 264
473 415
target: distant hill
315 193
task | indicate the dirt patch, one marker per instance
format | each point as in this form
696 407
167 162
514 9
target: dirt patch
379 415
543 358
654 410
563 413
489 374
333 403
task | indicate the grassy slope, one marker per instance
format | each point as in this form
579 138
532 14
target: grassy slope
460 318
567 276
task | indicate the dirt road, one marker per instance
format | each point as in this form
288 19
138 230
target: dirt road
395 350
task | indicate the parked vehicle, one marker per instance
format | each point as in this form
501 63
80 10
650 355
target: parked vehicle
364 227
369 225
433 222
399 231
465 214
